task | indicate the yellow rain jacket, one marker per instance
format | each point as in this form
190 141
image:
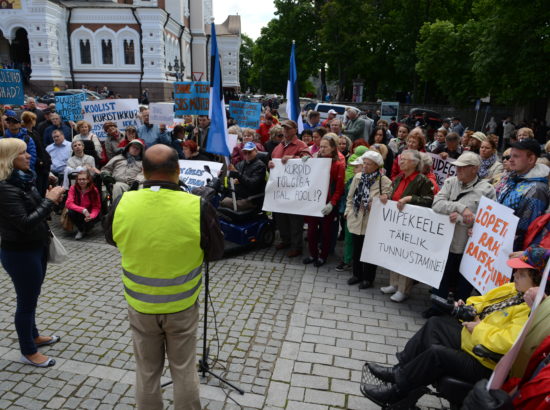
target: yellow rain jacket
499 330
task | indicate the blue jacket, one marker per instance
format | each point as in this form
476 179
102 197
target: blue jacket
528 196
151 135
31 147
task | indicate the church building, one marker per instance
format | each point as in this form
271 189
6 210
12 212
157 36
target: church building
127 45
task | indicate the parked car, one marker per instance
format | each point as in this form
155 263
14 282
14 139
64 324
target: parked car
324 108
50 97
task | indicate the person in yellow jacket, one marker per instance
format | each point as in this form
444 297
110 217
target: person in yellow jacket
163 235
444 346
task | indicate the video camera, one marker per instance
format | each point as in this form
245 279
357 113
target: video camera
465 313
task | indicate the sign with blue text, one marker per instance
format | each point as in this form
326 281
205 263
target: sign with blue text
247 114
123 112
69 107
413 242
298 187
11 87
191 98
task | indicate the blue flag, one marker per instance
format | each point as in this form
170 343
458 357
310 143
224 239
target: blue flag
217 142
293 110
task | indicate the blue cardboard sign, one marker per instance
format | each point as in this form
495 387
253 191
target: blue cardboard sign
11 87
191 98
247 114
69 107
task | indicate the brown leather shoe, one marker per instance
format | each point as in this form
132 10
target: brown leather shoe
294 252
282 245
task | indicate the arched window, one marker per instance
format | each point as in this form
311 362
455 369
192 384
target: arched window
107 51
129 52
85 52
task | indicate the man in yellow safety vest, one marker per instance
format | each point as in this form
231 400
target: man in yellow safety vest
163 234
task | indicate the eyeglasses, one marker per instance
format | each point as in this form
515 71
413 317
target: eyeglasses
505 157
280 135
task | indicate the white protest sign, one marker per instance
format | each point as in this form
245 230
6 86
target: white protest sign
297 187
233 139
487 250
414 242
175 121
193 174
123 112
504 365
442 168
161 113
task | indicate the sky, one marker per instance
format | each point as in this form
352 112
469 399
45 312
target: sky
254 13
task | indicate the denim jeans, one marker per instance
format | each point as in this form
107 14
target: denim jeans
27 270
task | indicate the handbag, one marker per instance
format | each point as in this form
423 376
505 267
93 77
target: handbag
66 222
56 251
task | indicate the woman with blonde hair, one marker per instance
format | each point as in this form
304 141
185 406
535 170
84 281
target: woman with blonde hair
25 237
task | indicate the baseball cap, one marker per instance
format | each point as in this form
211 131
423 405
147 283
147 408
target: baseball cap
468 158
137 141
331 111
534 257
249 146
11 116
528 144
289 124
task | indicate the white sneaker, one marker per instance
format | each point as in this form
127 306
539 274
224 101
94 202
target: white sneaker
79 235
388 289
398 297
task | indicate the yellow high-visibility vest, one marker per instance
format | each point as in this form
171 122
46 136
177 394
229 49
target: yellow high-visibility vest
158 235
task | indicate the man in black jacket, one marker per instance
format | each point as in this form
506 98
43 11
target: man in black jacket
249 178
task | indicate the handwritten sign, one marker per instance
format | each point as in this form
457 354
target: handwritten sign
442 168
414 242
487 250
297 187
389 109
123 112
247 114
191 98
11 87
69 107
161 113
193 174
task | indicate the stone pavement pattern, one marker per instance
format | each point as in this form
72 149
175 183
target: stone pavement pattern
292 336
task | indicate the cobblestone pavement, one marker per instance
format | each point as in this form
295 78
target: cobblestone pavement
292 336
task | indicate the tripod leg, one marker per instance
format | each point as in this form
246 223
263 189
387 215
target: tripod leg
203 363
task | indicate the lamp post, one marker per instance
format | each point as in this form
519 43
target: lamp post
177 70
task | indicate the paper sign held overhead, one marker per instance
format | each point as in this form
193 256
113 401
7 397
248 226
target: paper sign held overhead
161 113
123 112
69 107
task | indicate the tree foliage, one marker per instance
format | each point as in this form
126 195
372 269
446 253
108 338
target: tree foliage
457 50
245 61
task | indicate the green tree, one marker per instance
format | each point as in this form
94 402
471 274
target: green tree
245 61
271 54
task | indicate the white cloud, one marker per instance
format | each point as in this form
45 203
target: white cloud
255 14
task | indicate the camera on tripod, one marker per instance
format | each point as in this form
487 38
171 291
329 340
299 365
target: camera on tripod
465 313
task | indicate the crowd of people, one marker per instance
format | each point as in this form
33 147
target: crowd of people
369 160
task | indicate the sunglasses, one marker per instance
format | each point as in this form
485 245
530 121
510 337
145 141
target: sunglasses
505 157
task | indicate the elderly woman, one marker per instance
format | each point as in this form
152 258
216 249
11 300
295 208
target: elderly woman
130 134
126 168
415 141
410 187
344 146
248 135
459 198
25 237
114 138
85 133
525 133
364 187
191 151
83 203
78 160
427 163
320 228
490 165
445 347
276 135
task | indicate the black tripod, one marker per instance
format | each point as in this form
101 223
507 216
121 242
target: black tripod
204 367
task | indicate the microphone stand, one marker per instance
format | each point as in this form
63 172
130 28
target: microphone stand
204 367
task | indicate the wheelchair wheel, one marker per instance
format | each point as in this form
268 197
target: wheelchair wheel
267 235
